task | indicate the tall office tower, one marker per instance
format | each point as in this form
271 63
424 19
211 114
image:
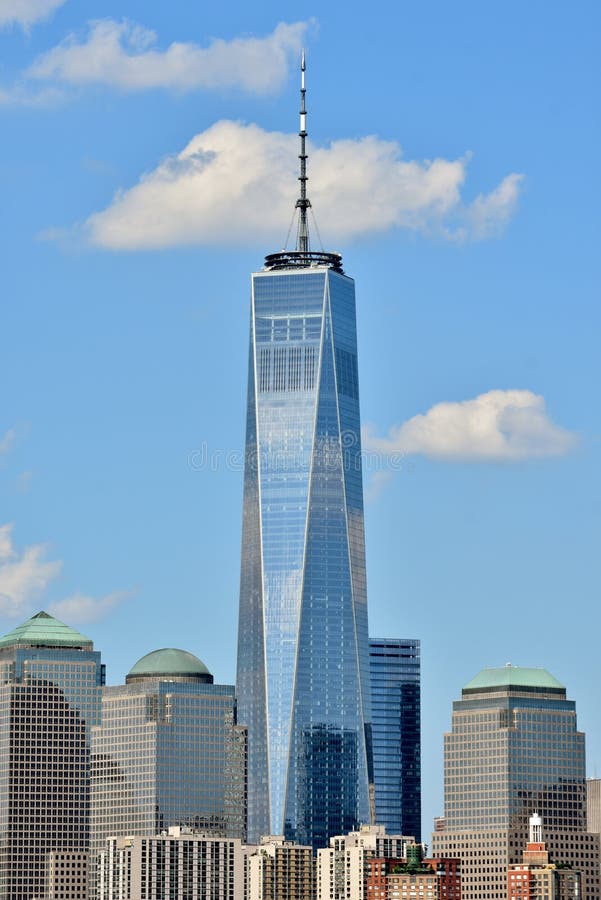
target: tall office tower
394 666
303 654
168 752
50 683
514 750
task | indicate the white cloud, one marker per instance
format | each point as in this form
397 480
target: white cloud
23 576
83 608
25 96
6 546
490 212
124 55
499 426
236 183
7 440
26 12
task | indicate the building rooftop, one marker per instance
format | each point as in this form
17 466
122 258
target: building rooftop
514 676
43 630
169 663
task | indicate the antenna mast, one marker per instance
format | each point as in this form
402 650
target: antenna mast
303 203
303 257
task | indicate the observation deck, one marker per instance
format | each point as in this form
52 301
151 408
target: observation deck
304 259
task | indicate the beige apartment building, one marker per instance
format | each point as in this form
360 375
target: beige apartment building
342 867
279 870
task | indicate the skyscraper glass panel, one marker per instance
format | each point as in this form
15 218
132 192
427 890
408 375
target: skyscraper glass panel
303 684
395 703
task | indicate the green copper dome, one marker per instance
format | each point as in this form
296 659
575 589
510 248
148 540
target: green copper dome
514 676
43 630
169 663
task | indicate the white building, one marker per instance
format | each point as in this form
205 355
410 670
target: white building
178 863
341 867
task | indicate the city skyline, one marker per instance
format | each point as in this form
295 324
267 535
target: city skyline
116 380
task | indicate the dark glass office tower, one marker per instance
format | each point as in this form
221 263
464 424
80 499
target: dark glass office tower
395 705
303 654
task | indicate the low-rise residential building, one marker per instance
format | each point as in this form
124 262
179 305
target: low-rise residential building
175 864
279 870
342 867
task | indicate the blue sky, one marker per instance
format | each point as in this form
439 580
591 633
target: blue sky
454 162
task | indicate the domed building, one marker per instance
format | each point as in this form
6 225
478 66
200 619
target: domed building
514 749
169 664
50 693
168 752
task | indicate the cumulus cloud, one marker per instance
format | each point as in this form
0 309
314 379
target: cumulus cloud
83 608
236 183
23 576
124 55
499 426
26 12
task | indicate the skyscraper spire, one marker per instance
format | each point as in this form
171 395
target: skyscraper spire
302 256
303 203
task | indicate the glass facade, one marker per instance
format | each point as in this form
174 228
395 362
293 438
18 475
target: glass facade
303 656
168 753
49 701
395 704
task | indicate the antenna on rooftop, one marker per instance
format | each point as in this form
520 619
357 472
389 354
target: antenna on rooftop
302 256
303 203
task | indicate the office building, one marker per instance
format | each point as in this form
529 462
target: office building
514 749
394 666
279 870
168 752
593 804
179 864
303 654
536 877
50 684
67 875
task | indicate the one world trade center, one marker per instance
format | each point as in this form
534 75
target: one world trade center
303 652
